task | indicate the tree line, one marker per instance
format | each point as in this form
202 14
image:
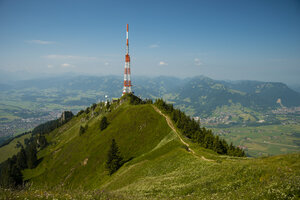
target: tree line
49 126
192 130
26 158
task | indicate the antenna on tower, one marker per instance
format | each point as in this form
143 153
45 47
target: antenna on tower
127 80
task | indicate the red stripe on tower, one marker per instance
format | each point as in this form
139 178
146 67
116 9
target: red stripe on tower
127 58
127 79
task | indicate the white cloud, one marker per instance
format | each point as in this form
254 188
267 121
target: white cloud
154 46
55 56
50 66
106 63
198 61
162 63
40 42
65 65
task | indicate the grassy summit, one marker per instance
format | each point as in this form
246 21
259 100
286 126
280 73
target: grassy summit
136 129
161 162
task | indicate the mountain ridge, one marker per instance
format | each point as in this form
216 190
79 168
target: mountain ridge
167 86
199 97
158 163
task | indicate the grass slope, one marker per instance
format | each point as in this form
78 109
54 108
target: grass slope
159 166
10 149
136 129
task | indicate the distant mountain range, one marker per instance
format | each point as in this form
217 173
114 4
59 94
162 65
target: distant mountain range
295 87
198 96
218 104
204 95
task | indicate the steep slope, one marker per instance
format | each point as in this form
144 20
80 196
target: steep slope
10 149
79 160
161 163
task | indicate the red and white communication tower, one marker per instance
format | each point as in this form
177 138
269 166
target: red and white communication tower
127 81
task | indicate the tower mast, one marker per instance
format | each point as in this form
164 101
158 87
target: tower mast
127 81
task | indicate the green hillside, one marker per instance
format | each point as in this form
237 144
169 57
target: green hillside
161 163
11 149
68 151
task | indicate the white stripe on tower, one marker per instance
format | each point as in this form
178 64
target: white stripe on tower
127 42
127 81
128 63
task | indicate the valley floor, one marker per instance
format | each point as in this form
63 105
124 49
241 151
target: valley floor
265 140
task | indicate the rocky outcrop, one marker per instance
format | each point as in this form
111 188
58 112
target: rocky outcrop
66 116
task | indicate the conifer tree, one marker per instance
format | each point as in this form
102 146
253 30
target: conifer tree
81 130
103 123
114 158
31 156
42 141
16 175
94 106
22 159
107 105
10 174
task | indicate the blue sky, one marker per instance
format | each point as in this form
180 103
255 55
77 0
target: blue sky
222 39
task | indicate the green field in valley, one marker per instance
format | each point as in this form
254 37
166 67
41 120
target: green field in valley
264 140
